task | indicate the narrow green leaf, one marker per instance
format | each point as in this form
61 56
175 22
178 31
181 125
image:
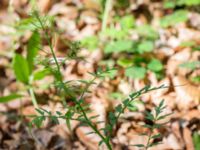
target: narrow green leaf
154 144
21 69
32 48
38 121
156 136
93 117
40 111
139 145
196 140
88 133
54 119
41 74
8 98
100 143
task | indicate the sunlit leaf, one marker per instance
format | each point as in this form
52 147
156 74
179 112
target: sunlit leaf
147 31
119 46
10 97
175 18
21 68
145 46
32 48
135 72
155 65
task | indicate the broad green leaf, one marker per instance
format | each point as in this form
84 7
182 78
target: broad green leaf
32 48
175 18
90 42
127 22
114 33
169 4
145 46
135 72
155 65
119 46
8 98
125 62
147 31
21 69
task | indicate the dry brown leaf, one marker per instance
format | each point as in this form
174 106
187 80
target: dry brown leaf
92 4
16 104
169 100
69 12
194 20
44 136
172 142
173 63
187 95
187 135
89 17
44 5
121 137
189 115
98 108
90 140
191 34
175 126
78 146
135 138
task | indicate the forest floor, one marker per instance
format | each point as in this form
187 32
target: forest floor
166 50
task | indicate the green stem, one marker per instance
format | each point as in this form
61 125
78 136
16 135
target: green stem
148 141
65 89
49 43
34 101
87 119
108 7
